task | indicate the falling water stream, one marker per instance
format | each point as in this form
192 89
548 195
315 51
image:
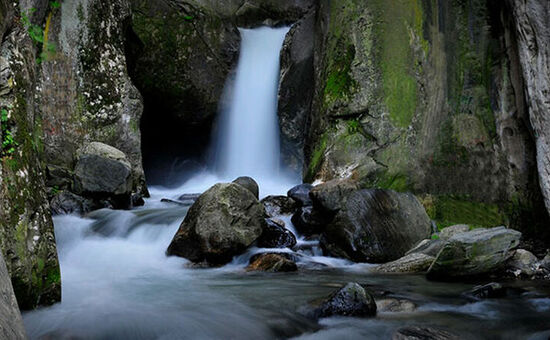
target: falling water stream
117 282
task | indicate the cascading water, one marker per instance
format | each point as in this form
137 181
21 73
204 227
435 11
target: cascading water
248 138
118 284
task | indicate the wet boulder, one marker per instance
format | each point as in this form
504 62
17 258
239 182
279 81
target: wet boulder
66 202
395 306
309 221
376 226
489 291
250 184
476 252
332 195
423 333
412 263
104 171
275 235
223 222
279 205
351 300
427 247
300 194
523 264
273 263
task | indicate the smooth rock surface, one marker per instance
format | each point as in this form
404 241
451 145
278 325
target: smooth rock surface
309 221
300 194
377 226
250 184
395 306
275 235
11 323
331 196
522 263
428 247
222 223
66 202
412 263
476 252
447 233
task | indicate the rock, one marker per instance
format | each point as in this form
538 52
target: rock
182 203
272 263
250 184
489 291
189 197
279 205
11 323
395 306
545 262
428 247
332 195
522 263
276 235
308 220
222 223
66 202
137 200
423 333
476 252
351 300
447 233
376 226
103 171
412 263
300 194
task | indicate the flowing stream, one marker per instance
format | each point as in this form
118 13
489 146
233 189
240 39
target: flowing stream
117 282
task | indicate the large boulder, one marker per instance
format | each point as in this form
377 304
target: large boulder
250 184
11 323
476 252
412 263
272 263
275 235
428 247
376 226
351 300
103 171
447 233
332 195
309 221
523 263
222 223
279 205
300 194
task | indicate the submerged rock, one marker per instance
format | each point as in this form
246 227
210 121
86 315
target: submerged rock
300 194
489 291
222 223
412 263
423 333
66 202
476 252
447 233
275 235
272 263
351 300
332 195
395 306
279 205
250 184
523 263
376 226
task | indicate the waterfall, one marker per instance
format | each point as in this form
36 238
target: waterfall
247 142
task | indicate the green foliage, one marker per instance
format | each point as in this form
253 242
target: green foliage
317 158
339 81
452 210
38 34
8 142
435 237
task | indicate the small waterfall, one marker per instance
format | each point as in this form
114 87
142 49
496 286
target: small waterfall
247 142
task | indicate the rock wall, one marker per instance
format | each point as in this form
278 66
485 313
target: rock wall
11 323
425 96
532 28
26 230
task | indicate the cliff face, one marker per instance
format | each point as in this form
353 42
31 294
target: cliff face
11 323
532 26
425 96
26 230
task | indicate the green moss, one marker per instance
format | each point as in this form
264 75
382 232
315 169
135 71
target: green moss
317 158
340 83
399 21
451 210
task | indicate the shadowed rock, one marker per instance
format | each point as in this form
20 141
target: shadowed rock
351 300
250 184
272 263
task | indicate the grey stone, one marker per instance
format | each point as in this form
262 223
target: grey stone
300 194
428 247
222 223
395 306
309 221
523 263
275 235
476 252
11 323
351 300
279 205
66 202
412 263
377 226
250 184
332 195
447 233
